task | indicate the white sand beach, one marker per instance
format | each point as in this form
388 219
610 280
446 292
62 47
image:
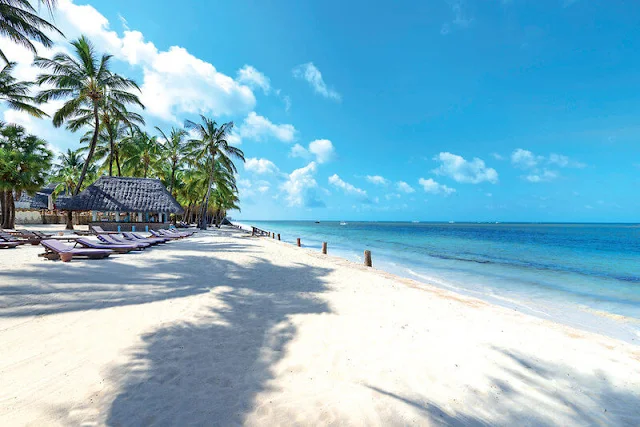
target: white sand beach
225 329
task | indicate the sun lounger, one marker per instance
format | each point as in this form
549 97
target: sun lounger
121 249
172 237
139 236
96 229
173 233
152 240
111 239
55 249
6 237
8 245
34 237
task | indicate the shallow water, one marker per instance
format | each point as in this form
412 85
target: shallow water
585 275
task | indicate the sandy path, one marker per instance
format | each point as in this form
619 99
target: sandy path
224 329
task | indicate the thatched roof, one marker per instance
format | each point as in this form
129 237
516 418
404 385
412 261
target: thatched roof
40 200
117 194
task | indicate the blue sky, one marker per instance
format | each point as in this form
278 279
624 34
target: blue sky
482 110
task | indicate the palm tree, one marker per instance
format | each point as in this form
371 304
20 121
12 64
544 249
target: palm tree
67 174
115 127
20 23
141 153
16 93
115 120
212 147
24 164
172 152
86 82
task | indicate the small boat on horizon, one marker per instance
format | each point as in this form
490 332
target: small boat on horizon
343 223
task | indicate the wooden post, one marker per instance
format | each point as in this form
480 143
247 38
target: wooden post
273 235
278 236
367 258
324 248
298 242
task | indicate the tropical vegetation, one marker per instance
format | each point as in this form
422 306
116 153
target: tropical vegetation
25 162
195 163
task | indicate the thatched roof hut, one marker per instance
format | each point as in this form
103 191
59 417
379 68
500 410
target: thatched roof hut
118 194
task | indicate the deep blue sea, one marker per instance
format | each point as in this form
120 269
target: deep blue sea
584 275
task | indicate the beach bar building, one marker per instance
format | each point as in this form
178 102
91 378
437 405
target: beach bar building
125 204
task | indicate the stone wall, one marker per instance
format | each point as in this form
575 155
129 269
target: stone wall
28 217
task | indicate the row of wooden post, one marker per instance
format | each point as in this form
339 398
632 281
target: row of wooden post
367 254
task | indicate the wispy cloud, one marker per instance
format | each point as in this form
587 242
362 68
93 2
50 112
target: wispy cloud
322 149
466 171
434 187
461 19
338 182
312 75
253 78
377 180
539 167
404 187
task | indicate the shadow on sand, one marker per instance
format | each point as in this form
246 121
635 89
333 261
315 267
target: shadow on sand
562 395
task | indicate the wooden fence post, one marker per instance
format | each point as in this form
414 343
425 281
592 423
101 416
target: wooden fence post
298 242
278 236
324 248
367 258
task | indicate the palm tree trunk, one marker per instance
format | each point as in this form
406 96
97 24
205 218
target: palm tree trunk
111 149
87 162
118 163
3 210
92 148
69 220
203 220
173 180
12 211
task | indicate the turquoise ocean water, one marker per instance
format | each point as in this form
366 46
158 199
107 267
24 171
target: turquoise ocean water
584 275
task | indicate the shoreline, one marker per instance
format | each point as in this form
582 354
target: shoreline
579 316
225 327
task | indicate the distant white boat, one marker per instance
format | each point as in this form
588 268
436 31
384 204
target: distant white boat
343 223
415 222
452 222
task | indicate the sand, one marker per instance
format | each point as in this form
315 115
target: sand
225 329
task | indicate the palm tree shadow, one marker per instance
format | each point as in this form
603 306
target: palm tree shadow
533 393
53 287
208 372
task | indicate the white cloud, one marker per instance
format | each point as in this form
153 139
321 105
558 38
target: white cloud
545 175
174 82
260 166
377 180
525 159
404 187
322 149
433 187
535 165
299 151
300 187
461 170
497 156
260 128
336 181
253 78
313 76
564 161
